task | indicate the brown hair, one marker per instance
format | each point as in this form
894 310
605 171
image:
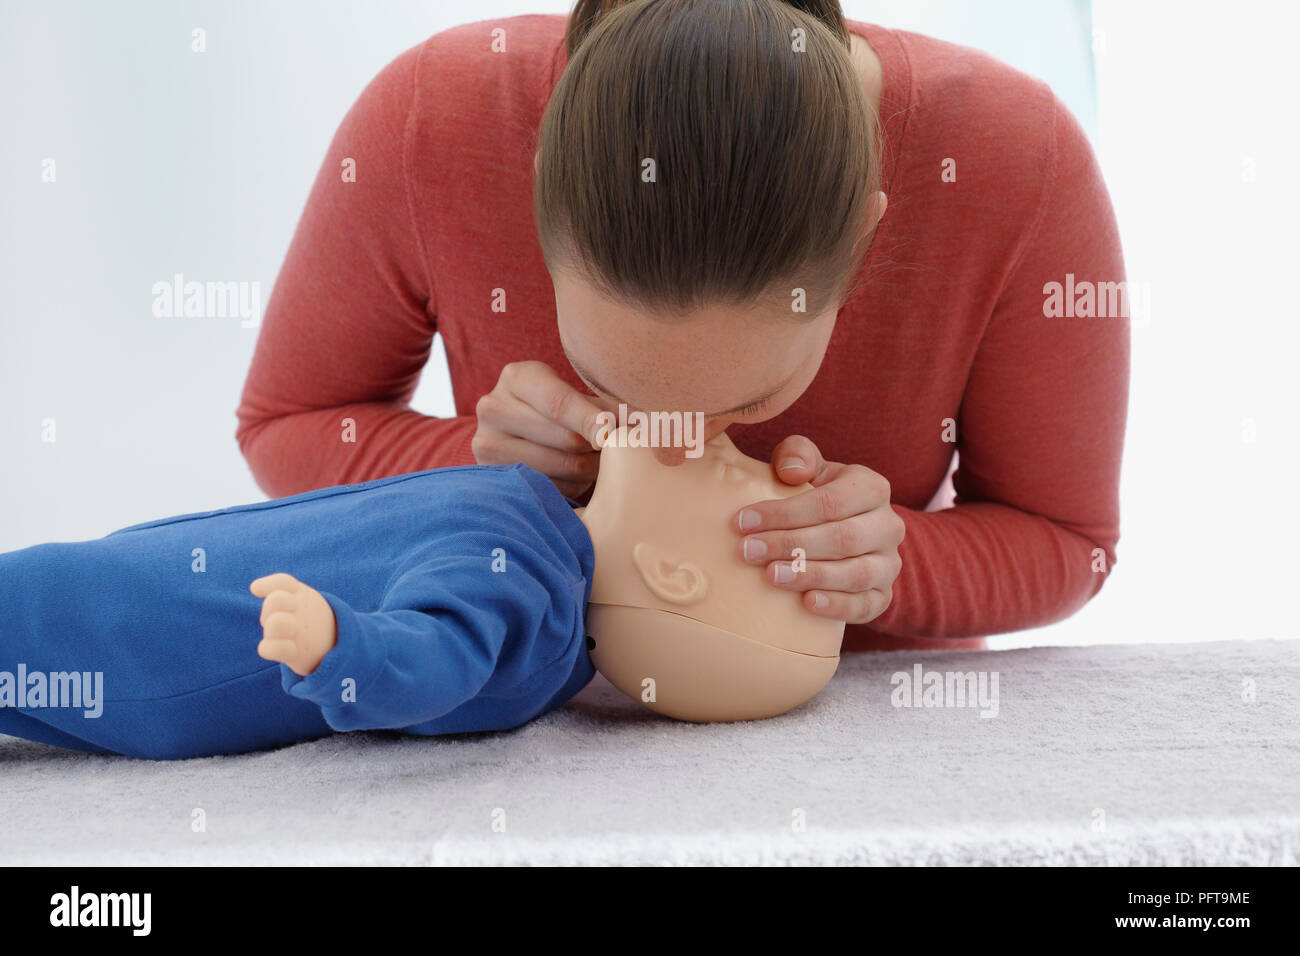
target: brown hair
765 158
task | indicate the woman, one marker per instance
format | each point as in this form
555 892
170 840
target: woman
634 207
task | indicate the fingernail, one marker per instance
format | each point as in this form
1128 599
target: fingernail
755 549
750 519
784 573
820 600
790 463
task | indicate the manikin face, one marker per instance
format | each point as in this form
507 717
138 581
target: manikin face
672 603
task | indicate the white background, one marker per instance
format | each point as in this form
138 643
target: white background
170 161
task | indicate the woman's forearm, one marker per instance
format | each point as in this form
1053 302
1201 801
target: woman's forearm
983 568
292 453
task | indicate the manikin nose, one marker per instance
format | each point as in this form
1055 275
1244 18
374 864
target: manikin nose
670 455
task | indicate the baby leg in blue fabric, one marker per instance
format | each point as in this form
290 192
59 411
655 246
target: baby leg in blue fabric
110 646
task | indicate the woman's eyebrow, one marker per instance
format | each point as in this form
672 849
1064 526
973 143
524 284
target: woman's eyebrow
585 376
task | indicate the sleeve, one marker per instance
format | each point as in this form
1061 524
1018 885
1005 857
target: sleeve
444 629
1033 530
350 322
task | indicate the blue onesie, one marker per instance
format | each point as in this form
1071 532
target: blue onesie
460 596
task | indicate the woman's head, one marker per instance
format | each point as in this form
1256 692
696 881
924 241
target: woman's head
706 188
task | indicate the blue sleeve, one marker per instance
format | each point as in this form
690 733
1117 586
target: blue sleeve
446 630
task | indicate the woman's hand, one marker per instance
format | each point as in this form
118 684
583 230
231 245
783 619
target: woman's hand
534 417
848 533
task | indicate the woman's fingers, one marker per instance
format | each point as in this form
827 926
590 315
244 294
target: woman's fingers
797 459
836 542
511 416
535 418
859 608
832 541
554 463
862 573
536 385
848 490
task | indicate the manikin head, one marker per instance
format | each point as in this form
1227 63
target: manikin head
679 621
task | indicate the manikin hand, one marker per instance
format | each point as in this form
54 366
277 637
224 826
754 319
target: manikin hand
845 526
298 626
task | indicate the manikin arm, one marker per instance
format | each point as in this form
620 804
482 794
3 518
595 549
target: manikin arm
384 669
444 629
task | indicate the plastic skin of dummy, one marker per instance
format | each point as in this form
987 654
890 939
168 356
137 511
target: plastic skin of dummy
679 621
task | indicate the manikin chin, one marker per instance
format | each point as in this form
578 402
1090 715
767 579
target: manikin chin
679 621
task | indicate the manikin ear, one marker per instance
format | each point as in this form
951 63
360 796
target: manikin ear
668 578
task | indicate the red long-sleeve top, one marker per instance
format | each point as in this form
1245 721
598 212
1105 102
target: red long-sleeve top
947 338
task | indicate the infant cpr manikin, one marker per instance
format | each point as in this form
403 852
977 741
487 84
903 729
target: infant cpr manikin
679 621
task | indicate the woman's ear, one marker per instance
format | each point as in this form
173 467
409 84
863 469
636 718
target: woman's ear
669 579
